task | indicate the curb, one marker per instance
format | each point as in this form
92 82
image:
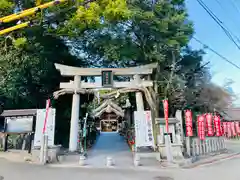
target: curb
211 162
150 169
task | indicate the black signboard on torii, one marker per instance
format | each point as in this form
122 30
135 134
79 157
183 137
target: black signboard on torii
107 79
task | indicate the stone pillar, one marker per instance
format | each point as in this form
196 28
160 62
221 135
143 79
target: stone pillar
139 96
73 138
179 125
188 146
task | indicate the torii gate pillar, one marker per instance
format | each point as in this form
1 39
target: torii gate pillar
73 138
139 96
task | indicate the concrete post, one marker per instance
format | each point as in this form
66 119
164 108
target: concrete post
200 147
44 150
204 146
73 138
82 160
41 158
188 146
224 144
207 146
214 144
109 161
197 146
194 151
178 116
210 145
136 160
217 144
168 148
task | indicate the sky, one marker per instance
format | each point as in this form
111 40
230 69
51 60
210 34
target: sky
211 34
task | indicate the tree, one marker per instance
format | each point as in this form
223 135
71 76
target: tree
159 33
151 35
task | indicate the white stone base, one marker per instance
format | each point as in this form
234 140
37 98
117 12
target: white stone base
82 160
109 161
176 151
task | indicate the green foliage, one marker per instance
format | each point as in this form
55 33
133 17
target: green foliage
20 42
6 7
92 15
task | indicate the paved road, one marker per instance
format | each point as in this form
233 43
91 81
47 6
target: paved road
110 144
221 171
17 171
228 169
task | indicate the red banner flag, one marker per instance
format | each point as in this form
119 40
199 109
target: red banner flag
165 106
201 128
217 124
233 129
188 122
209 124
237 127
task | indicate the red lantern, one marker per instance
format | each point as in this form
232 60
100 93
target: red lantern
209 124
201 128
188 122
225 128
217 125
229 129
237 127
233 129
165 106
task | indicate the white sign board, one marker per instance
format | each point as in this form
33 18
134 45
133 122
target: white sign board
19 124
50 126
143 129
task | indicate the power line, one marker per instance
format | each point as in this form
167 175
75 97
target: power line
234 4
214 51
228 15
220 23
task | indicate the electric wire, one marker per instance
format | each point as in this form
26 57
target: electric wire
220 23
217 53
233 2
219 2
234 22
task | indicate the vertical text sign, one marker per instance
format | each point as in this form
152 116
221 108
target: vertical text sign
107 78
188 121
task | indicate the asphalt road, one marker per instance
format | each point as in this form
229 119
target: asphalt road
16 171
221 171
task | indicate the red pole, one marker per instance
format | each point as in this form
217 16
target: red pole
165 107
46 116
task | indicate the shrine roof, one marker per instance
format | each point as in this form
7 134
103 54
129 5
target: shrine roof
108 106
231 114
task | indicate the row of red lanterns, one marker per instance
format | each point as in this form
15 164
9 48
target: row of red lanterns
212 124
205 123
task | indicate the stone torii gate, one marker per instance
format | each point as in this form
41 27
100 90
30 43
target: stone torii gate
75 87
